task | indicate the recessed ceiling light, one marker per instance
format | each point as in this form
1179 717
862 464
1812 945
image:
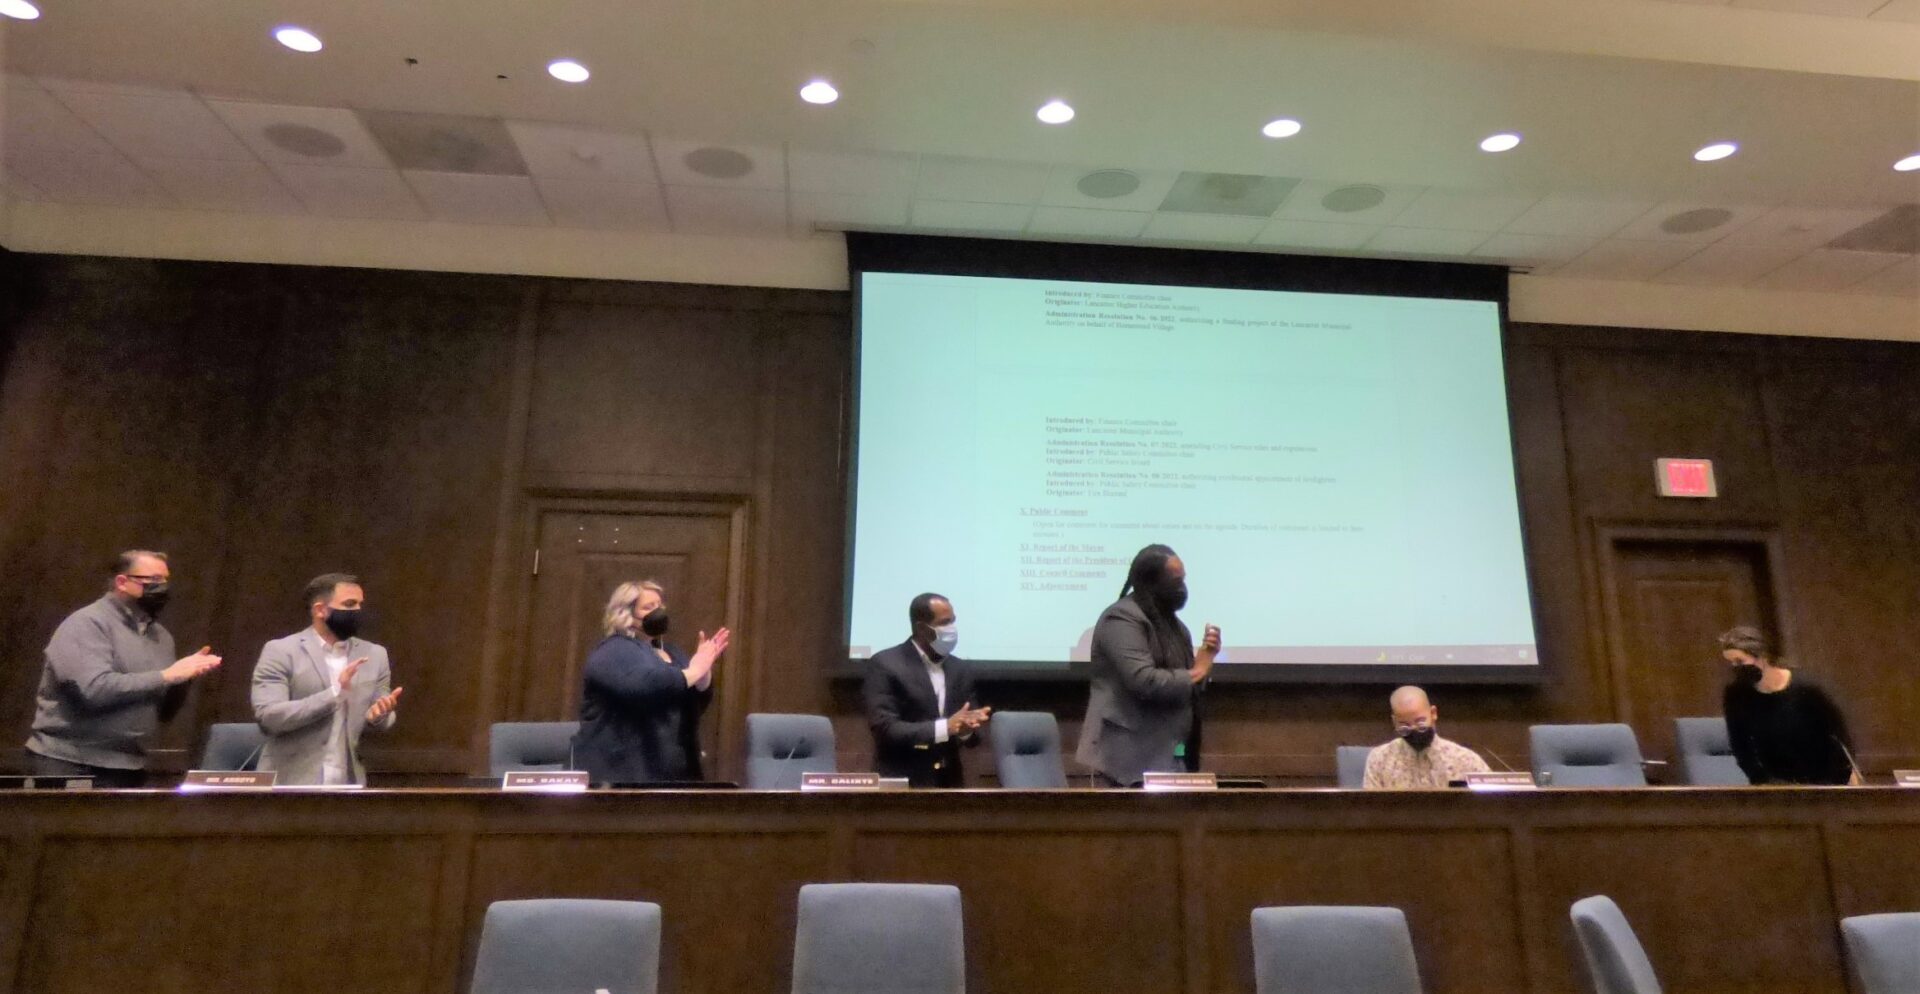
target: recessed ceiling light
1054 112
19 10
1502 142
819 92
298 39
1716 152
1281 127
1908 164
567 71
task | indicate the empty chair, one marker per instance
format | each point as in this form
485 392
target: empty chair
1350 764
1026 750
859 938
543 746
569 945
1706 754
233 746
1325 950
1885 950
1587 755
1610 952
780 747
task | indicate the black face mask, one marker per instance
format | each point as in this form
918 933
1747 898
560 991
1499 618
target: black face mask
1172 596
153 598
654 624
1420 738
1746 676
344 623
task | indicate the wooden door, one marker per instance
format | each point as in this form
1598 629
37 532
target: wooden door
692 550
1669 599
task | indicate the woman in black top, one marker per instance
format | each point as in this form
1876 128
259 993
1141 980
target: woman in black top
640 709
1783 727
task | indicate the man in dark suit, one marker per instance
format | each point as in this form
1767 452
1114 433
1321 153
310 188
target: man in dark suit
919 700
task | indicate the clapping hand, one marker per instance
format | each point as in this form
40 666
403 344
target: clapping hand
710 648
197 665
384 705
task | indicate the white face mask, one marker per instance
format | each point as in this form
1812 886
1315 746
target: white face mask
945 638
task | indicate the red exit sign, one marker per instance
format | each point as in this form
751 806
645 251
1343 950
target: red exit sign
1685 477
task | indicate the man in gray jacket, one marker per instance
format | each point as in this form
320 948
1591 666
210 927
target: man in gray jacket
316 690
1146 674
110 678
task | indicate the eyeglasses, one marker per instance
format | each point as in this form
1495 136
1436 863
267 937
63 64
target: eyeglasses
144 579
1420 727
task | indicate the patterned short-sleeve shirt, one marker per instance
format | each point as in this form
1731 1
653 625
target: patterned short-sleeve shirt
1397 766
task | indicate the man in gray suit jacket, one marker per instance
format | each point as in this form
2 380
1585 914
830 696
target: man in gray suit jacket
1146 674
316 690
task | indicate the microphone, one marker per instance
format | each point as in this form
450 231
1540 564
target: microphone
1857 775
246 764
1504 765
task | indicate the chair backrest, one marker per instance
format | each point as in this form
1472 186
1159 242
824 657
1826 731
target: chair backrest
1350 765
1587 755
530 745
879 937
1706 754
233 746
1885 950
1325 950
780 747
1026 750
1610 952
569 945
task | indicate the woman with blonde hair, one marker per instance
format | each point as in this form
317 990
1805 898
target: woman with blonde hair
1783 727
640 709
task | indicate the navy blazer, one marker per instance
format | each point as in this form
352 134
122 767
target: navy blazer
639 721
901 710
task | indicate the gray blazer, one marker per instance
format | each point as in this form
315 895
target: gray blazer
295 705
1137 712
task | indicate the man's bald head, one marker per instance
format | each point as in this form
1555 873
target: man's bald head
1412 709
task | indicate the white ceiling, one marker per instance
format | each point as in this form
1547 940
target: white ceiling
935 129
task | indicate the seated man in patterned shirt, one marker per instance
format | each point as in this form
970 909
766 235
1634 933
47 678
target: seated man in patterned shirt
1418 757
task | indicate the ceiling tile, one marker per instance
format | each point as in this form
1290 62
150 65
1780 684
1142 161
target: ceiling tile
69 178
980 181
707 210
1063 188
478 198
217 185
752 167
1308 202
344 191
155 124
1829 8
865 174
331 136
1425 241
951 216
576 203
1086 222
1730 264
1622 259
561 151
1578 217
1316 235
1899 10
1215 229
840 211
1807 228
1458 210
1900 279
1650 226
35 119
1535 250
1829 270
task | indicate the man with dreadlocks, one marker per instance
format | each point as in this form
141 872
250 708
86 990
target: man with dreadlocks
1146 675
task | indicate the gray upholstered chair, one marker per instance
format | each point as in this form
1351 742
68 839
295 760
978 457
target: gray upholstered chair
1587 755
1885 950
1326 950
1026 750
233 746
780 747
569 945
1706 754
1350 765
544 746
1609 951
879 937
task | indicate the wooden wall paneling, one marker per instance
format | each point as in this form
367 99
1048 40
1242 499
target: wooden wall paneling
1876 867
19 856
